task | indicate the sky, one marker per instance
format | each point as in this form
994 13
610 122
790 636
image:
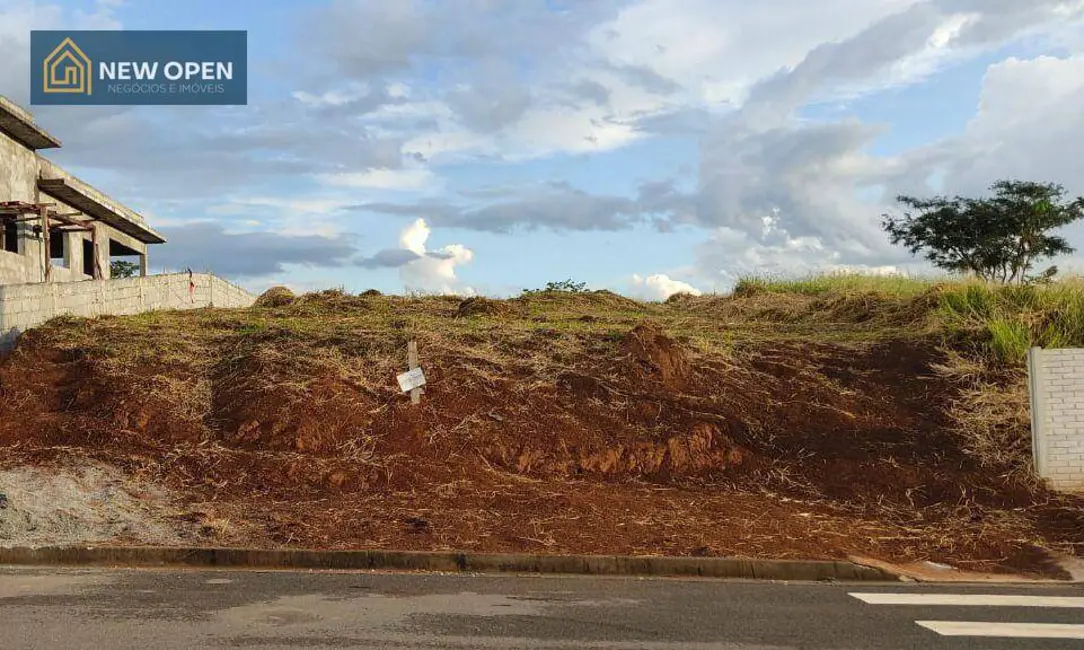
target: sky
643 146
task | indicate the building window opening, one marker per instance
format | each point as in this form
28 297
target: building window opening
124 262
88 257
10 236
58 243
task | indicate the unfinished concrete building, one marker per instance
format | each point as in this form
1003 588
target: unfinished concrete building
59 236
56 228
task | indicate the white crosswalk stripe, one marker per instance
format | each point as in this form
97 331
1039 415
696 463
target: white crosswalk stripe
985 628
1006 630
970 600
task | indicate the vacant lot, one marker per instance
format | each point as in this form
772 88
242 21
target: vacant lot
836 416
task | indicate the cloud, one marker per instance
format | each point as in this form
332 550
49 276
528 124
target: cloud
390 258
1029 125
716 49
554 205
19 17
432 271
494 100
793 195
414 236
167 153
816 179
590 90
660 287
730 254
384 95
802 176
371 39
208 246
382 179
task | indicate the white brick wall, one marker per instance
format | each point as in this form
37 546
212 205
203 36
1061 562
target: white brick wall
23 306
1056 381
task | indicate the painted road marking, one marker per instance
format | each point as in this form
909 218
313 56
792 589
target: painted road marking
970 600
1006 630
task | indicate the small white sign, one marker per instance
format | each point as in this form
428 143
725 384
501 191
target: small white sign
408 381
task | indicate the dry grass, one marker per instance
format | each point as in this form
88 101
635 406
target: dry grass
504 398
991 413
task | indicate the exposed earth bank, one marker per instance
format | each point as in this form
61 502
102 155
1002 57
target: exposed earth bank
767 426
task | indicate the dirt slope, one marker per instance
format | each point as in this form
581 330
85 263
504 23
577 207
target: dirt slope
552 423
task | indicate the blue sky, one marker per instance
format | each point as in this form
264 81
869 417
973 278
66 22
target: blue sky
645 146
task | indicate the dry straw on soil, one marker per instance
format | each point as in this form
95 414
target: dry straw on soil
878 418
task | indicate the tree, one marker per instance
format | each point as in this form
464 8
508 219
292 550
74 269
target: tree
564 286
123 269
995 238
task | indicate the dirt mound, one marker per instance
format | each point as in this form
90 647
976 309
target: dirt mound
680 297
701 452
657 356
611 299
582 300
275 297
574 424
328 301
478 306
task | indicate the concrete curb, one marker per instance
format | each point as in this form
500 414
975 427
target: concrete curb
708 567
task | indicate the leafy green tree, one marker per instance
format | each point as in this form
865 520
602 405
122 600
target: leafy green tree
564 286
123 269
997 238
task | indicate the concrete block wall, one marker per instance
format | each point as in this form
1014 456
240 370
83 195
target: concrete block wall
23 306
14 268
1056 382
20 269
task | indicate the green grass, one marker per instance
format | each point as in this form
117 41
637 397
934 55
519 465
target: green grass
1009 339
835 283
1010 318
1019 317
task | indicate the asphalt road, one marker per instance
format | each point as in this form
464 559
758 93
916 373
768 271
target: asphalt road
71 609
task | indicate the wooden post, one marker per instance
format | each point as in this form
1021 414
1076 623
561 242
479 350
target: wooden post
97 259
48 268
412 363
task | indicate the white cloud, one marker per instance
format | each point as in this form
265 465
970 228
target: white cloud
660 287
19 17
414 236
719 48
382 179
293 216
432 271
541 130
338 97
816 182
1029 125
731 254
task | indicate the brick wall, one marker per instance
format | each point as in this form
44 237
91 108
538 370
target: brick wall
1056 379
23 306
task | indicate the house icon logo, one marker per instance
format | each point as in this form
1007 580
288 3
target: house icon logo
67 70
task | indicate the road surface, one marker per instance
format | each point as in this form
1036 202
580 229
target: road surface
96 609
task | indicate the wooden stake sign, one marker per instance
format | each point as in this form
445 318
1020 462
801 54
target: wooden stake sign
414 379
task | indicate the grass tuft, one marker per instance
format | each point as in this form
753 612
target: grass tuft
1008 318
835 283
